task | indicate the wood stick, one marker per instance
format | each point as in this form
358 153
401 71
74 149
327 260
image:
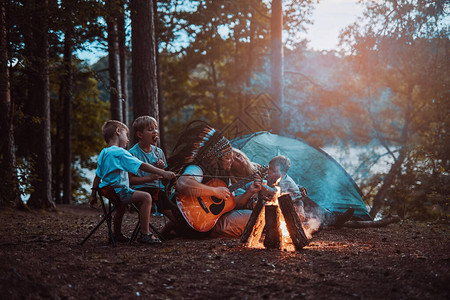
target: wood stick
293 223
272 240
249 229
257 231
375 224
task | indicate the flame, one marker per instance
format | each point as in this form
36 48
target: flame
278 192
285 236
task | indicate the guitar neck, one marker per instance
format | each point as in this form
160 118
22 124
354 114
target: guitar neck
240 184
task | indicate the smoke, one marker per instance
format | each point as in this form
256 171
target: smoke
312 225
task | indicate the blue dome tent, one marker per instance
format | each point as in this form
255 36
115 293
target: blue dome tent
326 180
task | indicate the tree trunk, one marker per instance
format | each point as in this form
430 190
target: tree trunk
42 195
162 138
144 70
123 64
387 182
67 96
8 185
114 68
277 63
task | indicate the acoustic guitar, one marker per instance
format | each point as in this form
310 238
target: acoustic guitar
202 213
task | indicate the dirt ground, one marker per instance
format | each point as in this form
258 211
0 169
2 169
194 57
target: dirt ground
41 258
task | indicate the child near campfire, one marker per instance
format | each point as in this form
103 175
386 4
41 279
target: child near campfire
146 131
278 168
114 164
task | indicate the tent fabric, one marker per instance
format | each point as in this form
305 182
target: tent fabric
325 179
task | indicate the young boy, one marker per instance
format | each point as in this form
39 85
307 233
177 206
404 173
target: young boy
114 163
146 131
278 168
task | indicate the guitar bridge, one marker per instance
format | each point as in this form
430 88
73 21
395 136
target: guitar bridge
203 205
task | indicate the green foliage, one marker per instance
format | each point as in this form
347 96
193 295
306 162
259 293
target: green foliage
212 76
88 115
399 79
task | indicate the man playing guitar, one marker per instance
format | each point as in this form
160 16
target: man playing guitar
203 197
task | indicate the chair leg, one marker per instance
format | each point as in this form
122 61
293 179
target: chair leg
135 232
107 216
109 220
93 230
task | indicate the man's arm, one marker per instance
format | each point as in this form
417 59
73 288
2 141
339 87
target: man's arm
242 199
152 169
188 185
137 180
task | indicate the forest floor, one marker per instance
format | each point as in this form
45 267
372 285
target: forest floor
41 258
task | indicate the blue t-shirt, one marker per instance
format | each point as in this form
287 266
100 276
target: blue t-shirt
151 158
113 166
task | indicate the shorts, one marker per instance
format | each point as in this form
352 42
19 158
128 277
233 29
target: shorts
160 198
125 193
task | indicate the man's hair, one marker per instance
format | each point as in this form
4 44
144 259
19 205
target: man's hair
249 167
109 129
283 162
143 122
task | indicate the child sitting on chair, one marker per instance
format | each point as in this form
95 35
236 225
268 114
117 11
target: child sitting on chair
146 131
114 163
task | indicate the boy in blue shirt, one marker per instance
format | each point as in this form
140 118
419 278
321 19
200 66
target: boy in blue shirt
114 164
146 131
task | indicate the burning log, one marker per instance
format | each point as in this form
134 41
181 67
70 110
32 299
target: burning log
253 229
293 223
272 240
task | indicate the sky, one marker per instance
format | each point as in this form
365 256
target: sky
330 16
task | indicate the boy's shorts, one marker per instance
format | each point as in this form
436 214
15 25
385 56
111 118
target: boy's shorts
159 197
125 194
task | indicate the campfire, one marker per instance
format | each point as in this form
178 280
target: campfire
279 221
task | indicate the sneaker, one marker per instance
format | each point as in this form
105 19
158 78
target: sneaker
148 238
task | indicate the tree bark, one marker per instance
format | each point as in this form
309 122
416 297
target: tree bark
123 63
8 171
114 66
144 70
162 138
42 195
277 63
67 96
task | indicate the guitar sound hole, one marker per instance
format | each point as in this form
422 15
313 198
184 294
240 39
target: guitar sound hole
216 200
216 209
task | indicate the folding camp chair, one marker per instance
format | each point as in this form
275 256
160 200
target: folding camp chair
108 209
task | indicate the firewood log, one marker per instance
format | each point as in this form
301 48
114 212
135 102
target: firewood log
272 240
368 224
255 224
293 223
